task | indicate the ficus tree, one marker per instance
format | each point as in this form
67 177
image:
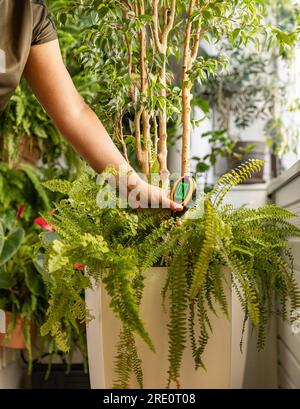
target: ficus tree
145 57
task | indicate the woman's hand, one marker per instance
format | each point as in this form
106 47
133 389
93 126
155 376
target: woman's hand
144 195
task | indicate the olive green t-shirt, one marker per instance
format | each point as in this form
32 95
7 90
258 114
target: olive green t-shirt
23 23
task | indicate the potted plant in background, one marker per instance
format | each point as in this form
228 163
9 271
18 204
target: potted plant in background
10 241
22 291
128 46
31 149
238 96
252 90
242 95
23 294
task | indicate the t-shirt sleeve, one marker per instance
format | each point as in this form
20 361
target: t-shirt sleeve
43 26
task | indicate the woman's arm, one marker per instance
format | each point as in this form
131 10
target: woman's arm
53 86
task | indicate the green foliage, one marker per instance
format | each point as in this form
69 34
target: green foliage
10 243
244 90
22 291
25 128
250 88
22 288
118 245
127 361
22 186
110 51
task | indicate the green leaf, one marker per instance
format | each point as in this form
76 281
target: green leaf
34 282
57 185
202 167
32 176
235 33
12 243
155 167
6 280
1 237
63 18
201 103
146 17
102 10
39 131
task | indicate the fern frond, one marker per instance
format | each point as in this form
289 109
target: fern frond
127 361
233 178
58 186
206 252
177 326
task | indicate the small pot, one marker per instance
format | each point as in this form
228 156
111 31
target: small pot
16 340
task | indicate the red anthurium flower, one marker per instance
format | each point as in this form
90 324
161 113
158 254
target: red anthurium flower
79 266
40 221
20 211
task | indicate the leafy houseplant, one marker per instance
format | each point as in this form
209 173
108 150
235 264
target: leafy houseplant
27 135
26 131
22 290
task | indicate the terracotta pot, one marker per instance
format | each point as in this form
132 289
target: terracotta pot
16 340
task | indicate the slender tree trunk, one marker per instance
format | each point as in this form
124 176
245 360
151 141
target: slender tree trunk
121 139
189 56
140 152
163 148
145 113
186 96
161 36
142 116
275 159
186 130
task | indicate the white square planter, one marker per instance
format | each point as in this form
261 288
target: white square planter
223 360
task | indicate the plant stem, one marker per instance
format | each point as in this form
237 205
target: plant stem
129 47
189 56
161 42
144 85
162 130
139 150
121 139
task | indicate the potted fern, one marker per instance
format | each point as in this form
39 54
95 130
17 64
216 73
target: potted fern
119 246
133 48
